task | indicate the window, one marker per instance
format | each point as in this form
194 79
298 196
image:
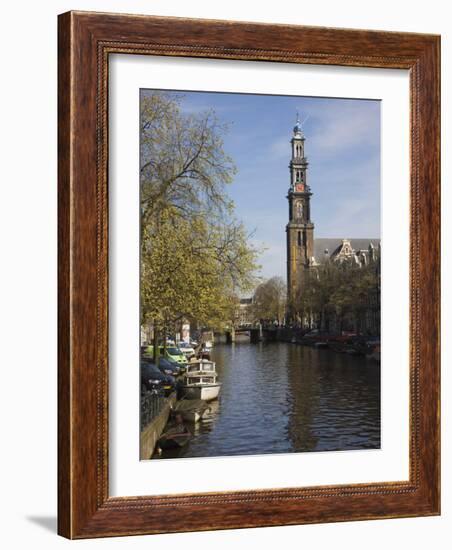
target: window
298 209
299 238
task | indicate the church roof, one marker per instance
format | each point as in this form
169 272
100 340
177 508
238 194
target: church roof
334 245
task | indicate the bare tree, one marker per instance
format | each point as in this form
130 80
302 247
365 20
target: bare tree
269 302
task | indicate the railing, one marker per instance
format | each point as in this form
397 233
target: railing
152 403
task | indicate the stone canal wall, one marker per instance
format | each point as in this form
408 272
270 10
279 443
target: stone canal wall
286 334
151 433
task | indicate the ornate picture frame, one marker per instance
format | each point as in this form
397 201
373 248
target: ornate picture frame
86 40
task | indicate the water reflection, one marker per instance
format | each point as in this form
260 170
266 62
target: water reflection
279 398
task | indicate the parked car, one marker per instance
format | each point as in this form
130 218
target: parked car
182 366
175 354
173 367
187 349
172 352
169 367
153 379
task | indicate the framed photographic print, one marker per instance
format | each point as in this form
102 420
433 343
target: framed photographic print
248 275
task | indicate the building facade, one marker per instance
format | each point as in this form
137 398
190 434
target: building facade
309 305
300 229
362 259
244 315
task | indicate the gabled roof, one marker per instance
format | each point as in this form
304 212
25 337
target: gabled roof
333 245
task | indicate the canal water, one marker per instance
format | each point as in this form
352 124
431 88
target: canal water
281 398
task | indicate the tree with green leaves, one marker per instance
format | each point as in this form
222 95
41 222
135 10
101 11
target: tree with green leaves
195 256
336 291
183 163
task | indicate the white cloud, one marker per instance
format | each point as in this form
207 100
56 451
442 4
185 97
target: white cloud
355 214
333 128
337 128
363 172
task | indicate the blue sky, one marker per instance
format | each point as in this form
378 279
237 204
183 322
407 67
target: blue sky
343 150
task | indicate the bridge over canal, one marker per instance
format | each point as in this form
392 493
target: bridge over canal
259 333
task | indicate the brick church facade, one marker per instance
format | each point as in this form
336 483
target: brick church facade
300 229
307 256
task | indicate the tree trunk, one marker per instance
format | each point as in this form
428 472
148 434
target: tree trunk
165 328
156 343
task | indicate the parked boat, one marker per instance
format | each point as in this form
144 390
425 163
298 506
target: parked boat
321 345
201 365
203 355
192 410
203 350
174 438
374 353
200 381
199 386
338 347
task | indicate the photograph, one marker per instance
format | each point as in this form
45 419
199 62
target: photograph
227 224
260 281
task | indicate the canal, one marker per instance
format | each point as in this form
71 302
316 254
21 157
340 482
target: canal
280 398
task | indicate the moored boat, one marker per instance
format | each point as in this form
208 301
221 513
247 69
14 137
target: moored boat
321 344
374 353
201 386
200 381
338 347
192 416
174 438
200 365
191 410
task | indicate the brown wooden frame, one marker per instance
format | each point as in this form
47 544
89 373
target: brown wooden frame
85 42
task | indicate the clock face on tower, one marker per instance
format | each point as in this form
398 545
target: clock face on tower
299 187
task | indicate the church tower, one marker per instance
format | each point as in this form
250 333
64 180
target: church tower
300 229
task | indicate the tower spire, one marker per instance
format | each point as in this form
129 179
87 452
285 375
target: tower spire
297 130
300 229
